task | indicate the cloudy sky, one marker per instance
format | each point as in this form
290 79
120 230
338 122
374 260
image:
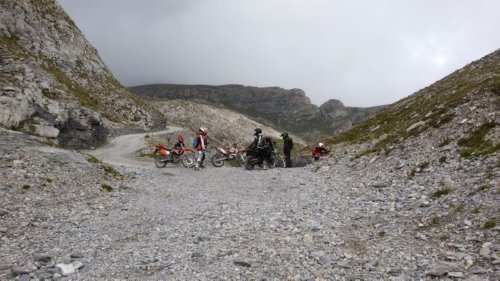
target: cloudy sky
363 52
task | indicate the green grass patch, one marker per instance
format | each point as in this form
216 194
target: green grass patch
93 159
480 188
11 44
489 224
476 145
457 208
111 171
441 192
107 187
75 89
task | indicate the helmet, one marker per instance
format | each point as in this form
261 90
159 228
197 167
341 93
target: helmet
284 134
258 130
321 144
180 138
203 130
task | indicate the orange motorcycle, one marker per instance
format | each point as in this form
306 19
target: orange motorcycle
164 155
229 153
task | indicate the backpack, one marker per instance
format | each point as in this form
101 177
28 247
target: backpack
195 142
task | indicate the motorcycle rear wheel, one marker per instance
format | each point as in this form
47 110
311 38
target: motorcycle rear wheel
249 163
218 160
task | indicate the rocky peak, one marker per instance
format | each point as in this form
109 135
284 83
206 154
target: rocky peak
333 108
53 83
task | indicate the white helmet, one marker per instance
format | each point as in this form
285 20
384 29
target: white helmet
321 144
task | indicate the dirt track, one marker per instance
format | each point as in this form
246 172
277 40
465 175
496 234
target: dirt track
120 150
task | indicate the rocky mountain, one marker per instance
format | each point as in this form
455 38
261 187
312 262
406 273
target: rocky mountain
53 83
276 107
410 194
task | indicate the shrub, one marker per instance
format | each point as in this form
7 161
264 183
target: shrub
423 165
106 187
111 171
489 224
94 160
26 186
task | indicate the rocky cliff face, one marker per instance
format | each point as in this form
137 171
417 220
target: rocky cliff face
53 83
280 108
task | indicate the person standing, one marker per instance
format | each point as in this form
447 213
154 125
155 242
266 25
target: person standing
200 144
258 146
287 148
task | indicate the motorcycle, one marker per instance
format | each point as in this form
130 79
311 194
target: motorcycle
274 160
224 154
163 156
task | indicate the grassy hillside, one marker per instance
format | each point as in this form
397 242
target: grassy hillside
430 107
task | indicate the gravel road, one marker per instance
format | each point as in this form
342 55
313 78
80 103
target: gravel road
333 220
119 151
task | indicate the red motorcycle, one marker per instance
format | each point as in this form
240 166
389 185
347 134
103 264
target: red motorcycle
163 156
229 153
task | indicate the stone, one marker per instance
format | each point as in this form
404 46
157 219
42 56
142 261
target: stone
197 254
65 269
441 269
456 274
43 258
24 277
414 126
76 255
46 131
242 263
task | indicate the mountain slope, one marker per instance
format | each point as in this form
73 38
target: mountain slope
434 106
276 107
53 83
224 125
430 163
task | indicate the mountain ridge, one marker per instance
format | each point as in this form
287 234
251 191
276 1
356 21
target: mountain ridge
284 109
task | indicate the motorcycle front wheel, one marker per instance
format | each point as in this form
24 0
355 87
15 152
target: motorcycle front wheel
189 160
276 161
160 160
241 159
218 160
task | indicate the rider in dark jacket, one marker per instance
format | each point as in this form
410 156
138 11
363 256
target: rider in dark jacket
287 148
258 145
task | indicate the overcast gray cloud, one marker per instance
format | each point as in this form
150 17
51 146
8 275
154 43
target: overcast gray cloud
363 52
